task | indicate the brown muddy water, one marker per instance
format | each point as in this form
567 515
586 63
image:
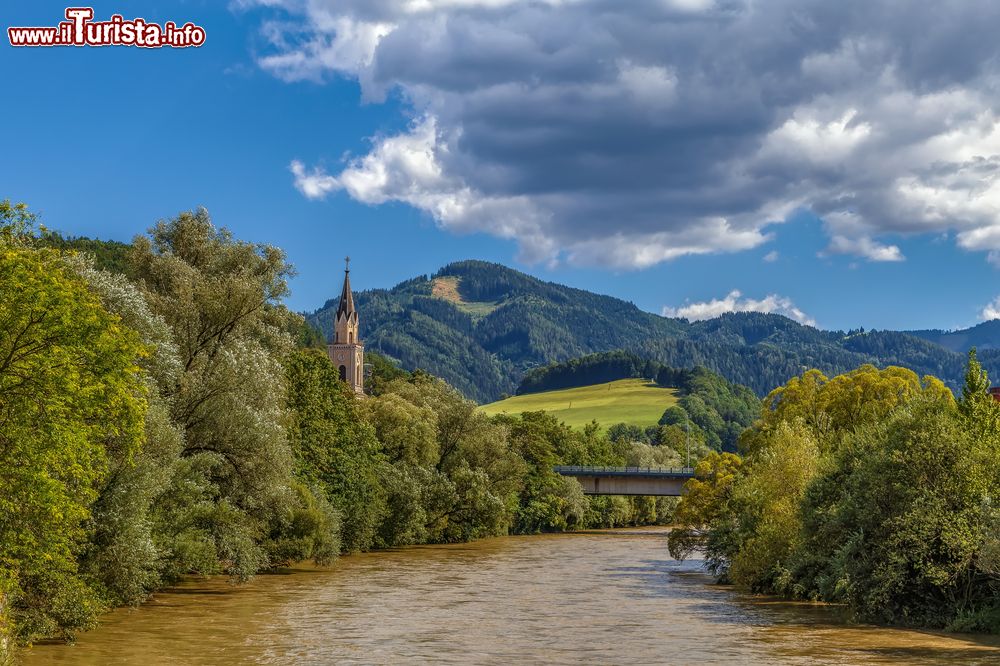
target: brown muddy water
609 597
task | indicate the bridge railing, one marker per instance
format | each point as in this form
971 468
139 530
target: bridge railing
576 470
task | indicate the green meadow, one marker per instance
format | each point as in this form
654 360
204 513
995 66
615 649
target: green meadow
635 401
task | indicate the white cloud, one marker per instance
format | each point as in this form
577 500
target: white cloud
643 250
314 184
991 310
406 167
349 46
864 247
734 302
807 136
771 256
617 133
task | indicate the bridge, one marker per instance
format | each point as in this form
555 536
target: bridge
657 481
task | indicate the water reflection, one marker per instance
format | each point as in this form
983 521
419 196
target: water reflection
595 597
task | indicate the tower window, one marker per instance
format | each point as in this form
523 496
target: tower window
343 373
350 337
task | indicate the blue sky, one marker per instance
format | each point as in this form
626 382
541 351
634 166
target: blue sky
105 141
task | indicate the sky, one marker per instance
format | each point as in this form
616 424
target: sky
834 162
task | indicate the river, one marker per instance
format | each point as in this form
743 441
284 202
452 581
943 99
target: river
592 597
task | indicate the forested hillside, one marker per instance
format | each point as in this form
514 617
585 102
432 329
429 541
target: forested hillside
985 336
483 326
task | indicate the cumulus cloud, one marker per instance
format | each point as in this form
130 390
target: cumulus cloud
626 134
771 256
863 246
315 183
734 302
991 310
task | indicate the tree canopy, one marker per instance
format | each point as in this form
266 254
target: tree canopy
873 488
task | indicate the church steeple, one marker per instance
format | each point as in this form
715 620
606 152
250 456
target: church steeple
346 351
345 325
346 306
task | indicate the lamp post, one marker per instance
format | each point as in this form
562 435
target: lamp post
687 441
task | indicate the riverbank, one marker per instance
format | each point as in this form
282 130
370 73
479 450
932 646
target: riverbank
599 596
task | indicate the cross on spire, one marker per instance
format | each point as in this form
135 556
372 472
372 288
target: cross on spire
347 263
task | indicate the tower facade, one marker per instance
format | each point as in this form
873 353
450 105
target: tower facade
346 350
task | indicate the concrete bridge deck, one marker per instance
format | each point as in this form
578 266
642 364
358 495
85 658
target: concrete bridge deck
655 481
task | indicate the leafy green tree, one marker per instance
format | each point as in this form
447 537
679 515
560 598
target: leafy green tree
640 454
686 441
383 371
834 407
976 387
220 298
111 256
410 490
705 502
626 433
408 432
911 520
457 464
70 390
17 224
121 556
308 336
674 415
548 501
334 448
765 503
981 411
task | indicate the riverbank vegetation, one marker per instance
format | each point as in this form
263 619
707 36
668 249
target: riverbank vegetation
875 488
162 414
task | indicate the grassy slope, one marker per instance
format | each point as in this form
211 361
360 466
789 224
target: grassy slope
446 288
635 401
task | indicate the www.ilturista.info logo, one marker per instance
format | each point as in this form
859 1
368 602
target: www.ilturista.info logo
80 30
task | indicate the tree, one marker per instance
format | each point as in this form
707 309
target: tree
831 408
16 224
548 501
976 387
765 501
122 555
408 432
334 449
454 474
70 389
705 500
383 372
674 415
220 298
910 520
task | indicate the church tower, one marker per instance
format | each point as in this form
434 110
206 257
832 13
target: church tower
346 351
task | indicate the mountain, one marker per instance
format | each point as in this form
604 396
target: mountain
982 337
483 326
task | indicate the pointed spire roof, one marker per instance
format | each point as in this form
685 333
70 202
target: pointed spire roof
346 297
